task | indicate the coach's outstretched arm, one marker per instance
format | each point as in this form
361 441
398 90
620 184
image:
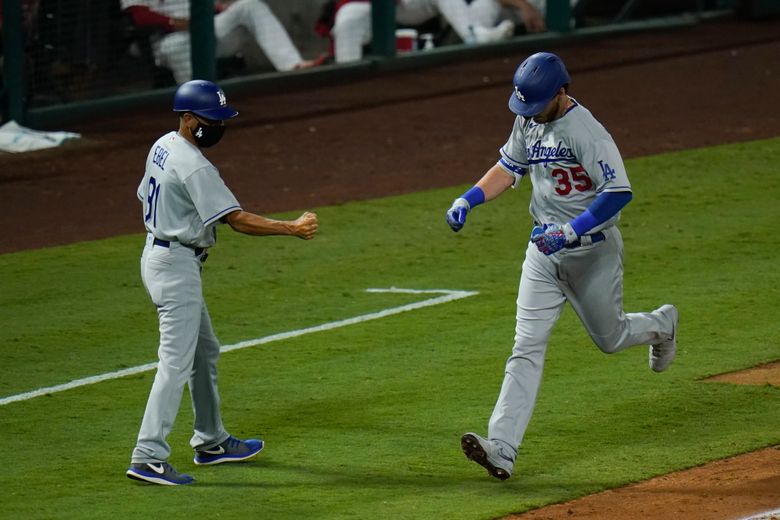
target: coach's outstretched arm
495 182
303 227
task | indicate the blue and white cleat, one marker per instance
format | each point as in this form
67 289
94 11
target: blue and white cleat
230 450
158 473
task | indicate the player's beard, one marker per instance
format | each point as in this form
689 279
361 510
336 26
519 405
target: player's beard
551 112
546 116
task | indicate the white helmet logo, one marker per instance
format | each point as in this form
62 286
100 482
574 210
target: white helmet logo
519 95
222 98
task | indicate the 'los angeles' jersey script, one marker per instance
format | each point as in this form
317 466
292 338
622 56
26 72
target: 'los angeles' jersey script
182 194
570 161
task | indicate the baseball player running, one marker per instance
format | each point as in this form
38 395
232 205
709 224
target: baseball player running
579 186
183 201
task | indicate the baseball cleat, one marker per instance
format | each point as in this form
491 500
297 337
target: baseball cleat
662 354
230 450
486 454
157 473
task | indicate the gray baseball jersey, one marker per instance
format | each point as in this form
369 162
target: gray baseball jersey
182 193
570 161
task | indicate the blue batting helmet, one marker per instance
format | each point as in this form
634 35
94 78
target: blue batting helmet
537 80
203 98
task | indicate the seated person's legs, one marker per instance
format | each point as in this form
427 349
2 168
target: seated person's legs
351 31
173 52
263 26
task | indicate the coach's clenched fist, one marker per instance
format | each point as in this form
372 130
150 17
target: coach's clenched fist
306 225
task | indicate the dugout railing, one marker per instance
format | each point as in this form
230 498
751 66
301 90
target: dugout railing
66 60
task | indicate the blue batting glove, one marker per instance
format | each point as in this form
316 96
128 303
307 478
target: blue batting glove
550 240
456 215
536 231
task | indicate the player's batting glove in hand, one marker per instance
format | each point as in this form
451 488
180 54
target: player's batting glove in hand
536 231
553 238
456 215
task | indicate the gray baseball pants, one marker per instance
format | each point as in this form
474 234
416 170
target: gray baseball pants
188 353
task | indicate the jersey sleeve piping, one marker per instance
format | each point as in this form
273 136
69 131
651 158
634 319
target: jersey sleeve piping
504 154
513 167
610 189
220 214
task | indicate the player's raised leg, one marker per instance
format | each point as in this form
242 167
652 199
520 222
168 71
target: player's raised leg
593 283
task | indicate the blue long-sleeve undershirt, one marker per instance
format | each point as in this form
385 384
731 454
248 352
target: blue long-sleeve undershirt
602 209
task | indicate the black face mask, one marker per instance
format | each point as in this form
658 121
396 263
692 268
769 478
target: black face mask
207 135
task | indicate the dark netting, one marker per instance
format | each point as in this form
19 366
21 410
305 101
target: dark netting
76 50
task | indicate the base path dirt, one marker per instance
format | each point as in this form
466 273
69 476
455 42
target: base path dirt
768 374
734 488
742 487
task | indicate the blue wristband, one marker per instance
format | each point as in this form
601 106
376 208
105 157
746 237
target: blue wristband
475 196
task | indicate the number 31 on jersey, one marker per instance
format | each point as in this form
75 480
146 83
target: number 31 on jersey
152 197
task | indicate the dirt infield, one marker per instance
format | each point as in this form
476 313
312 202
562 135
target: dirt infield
398 133
729 489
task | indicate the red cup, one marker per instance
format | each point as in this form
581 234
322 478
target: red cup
405 40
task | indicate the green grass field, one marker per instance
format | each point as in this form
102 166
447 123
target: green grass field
364 421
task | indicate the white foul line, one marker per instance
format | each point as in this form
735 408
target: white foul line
766 515
447 296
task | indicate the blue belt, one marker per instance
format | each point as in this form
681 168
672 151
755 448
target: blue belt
586 240
166 243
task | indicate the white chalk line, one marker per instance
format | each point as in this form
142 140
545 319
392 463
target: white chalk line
766 515
447 295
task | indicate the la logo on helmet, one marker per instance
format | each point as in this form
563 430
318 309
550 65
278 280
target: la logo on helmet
222 98
519 95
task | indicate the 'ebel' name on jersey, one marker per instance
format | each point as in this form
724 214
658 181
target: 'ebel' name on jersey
537 152
159 157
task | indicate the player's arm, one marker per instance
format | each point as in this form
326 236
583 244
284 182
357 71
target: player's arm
495 182
606 206
248 223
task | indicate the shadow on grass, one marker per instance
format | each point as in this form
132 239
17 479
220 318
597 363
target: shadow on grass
282 475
